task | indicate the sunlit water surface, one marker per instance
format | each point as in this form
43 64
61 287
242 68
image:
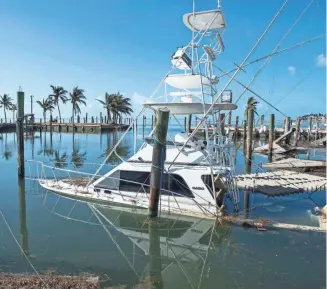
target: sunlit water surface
124 248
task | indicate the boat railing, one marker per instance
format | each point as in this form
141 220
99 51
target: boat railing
79 181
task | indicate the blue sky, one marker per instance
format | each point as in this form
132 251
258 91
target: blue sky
126 45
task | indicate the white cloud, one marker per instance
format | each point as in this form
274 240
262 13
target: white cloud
321 60
137 101
291 69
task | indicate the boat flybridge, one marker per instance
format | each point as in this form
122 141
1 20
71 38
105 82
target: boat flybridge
198 175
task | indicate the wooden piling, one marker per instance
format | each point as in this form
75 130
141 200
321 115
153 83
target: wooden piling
20 134
229 119
297 131
244 136
250 119
158 159
222 123
271 133
236 128
185 124
189 125
286 129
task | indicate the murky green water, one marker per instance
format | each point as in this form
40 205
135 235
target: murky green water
124 248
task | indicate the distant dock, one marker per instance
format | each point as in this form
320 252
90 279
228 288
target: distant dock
66 127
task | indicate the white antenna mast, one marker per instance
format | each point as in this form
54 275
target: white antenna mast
219 4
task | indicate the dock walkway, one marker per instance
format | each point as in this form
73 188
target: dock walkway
279 183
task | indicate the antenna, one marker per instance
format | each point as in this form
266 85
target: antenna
219 4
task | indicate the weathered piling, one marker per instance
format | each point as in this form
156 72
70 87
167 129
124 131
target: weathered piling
185 124
297 131
20 134
244 136
286 129
189 123
236 128
222 123
271 133
101 120
262 120
246 203
250 120
158 159
316 131
229 121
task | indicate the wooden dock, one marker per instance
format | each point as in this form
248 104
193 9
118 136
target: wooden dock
292 163
67 127
279 183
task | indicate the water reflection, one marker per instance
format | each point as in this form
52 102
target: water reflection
173 244
6 150
22 215
121 150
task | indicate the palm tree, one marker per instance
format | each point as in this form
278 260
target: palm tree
6 103
13 108
121 105
252 103
46 104
76 98
107 104
58 94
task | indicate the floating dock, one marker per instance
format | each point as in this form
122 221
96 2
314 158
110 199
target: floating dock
292 163
280 183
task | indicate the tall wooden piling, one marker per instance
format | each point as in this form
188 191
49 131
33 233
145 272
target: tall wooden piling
262 120
229 121
244 136
297 131
222 123
286 129
271 133
236 128
158 159
250 120
20 134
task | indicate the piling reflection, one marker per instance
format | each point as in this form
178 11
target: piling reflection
22 215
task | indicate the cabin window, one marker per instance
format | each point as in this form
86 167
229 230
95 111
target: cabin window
134 181
208 182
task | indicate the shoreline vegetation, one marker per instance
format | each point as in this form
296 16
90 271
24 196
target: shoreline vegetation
115 104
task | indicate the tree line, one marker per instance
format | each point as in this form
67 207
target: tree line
115 104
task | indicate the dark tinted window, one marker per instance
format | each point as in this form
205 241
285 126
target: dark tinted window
133 181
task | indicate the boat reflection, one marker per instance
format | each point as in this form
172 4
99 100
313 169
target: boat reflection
172 243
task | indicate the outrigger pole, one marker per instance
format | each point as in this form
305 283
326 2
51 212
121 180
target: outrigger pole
229 82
